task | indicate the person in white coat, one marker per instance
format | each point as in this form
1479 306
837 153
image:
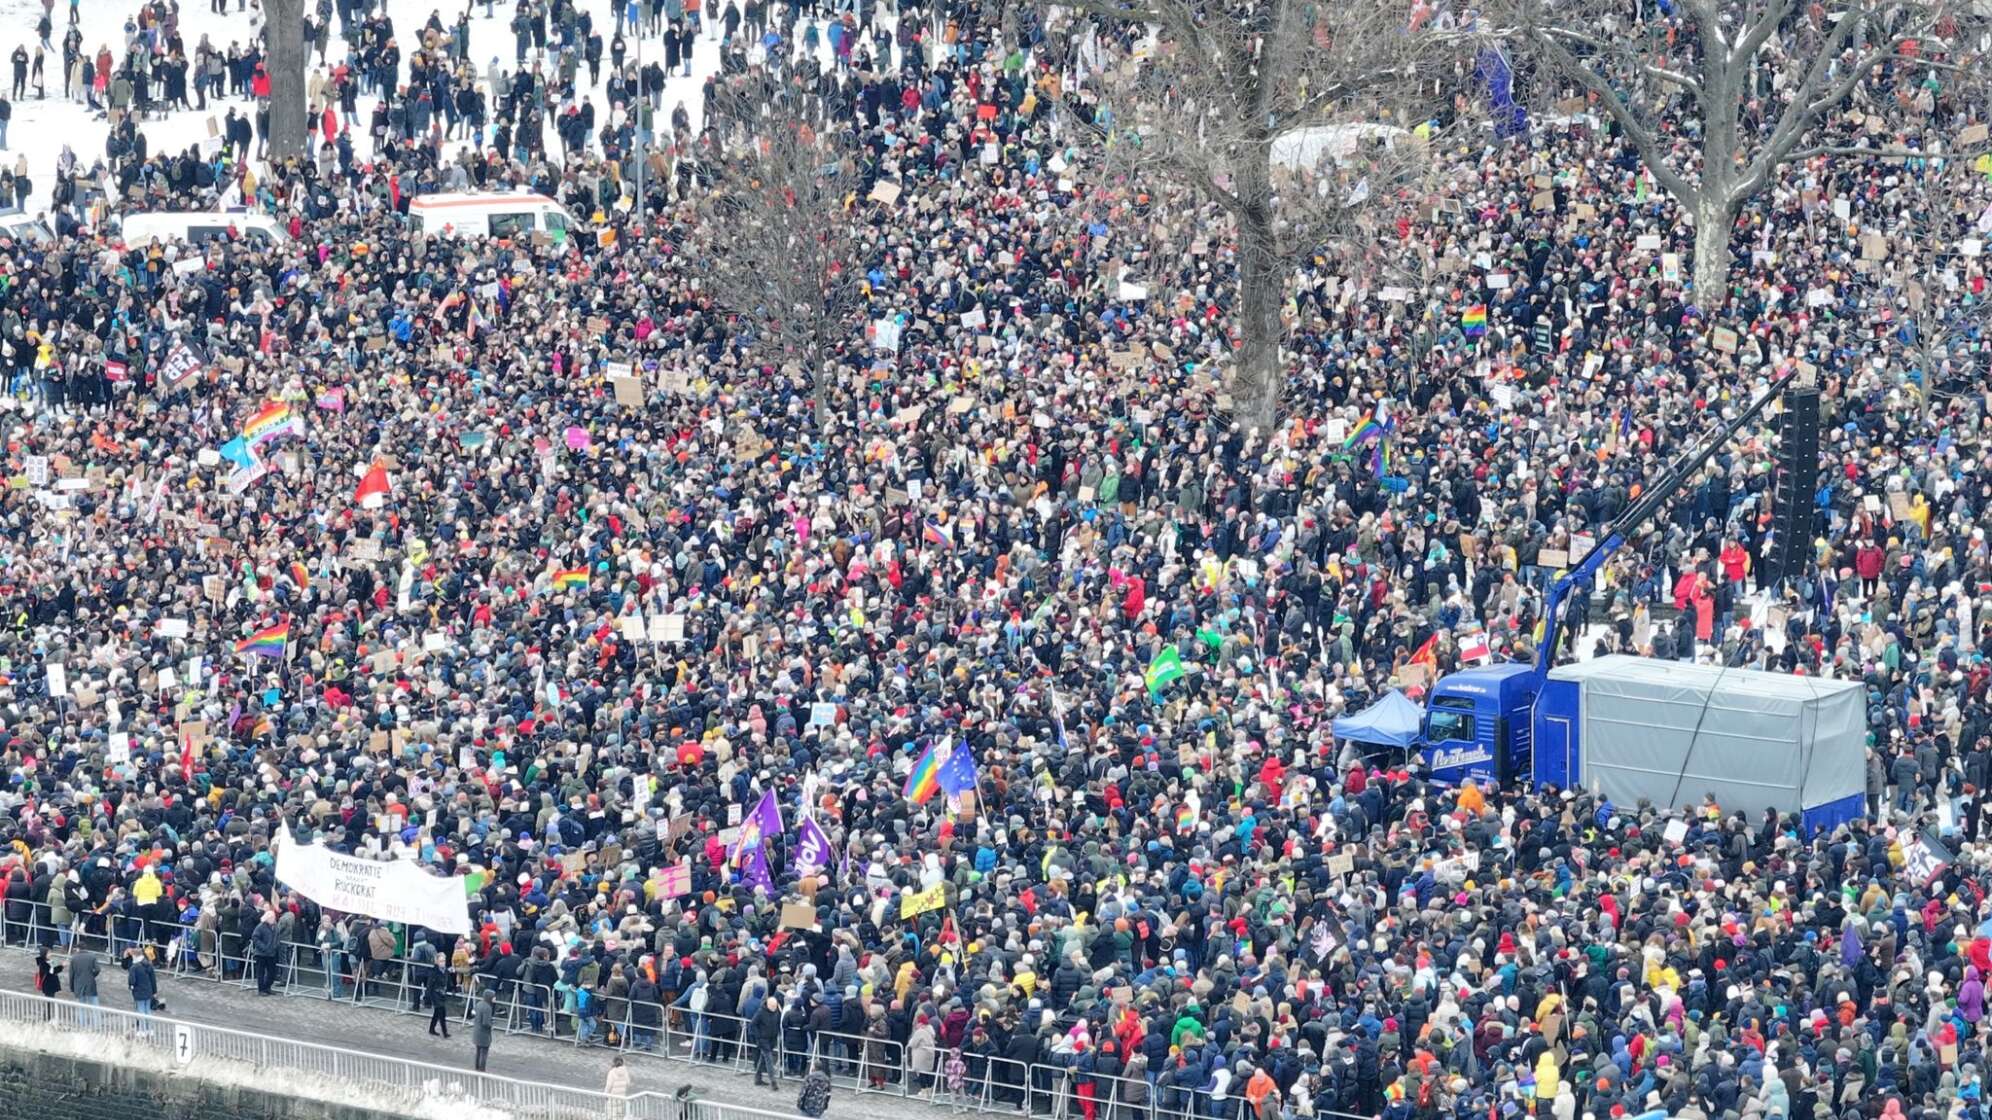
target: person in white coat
616 1087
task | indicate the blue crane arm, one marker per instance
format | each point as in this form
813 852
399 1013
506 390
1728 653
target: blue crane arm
1657 495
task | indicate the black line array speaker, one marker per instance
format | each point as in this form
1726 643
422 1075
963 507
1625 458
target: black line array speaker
1794 512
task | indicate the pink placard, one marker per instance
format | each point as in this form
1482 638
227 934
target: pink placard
674 881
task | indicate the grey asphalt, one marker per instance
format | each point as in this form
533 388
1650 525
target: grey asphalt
372 1030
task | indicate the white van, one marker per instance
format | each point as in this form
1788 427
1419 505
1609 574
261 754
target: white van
481 214
197 227
25 228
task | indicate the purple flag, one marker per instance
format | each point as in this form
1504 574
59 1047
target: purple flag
812 847
754 870
763 822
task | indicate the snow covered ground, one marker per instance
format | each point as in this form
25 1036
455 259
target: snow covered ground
40 128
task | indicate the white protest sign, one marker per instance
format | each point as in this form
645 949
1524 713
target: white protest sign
391 890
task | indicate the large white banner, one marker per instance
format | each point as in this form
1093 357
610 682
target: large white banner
392 890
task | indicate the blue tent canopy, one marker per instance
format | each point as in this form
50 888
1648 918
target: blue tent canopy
1393 721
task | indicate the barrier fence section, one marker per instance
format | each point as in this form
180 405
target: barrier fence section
406 1083
670 1032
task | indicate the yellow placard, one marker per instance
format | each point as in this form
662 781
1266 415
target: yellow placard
933 898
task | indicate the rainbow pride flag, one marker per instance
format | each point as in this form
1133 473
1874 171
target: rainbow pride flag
275 419
925 780
266 643
300 575
566 579
1474 320
1366 429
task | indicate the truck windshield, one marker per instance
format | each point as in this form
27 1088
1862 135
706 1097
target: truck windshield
1446 726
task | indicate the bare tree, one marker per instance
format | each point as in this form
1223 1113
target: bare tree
780 228
1919 264
285 33
1219 95
1720 94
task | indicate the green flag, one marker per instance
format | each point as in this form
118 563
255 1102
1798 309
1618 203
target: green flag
1167 667
1211 639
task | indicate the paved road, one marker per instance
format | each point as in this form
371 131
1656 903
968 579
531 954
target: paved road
378 1031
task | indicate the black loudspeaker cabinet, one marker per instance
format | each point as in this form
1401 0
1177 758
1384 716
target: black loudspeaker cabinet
1794 512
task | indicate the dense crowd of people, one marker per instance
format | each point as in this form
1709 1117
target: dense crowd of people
577 637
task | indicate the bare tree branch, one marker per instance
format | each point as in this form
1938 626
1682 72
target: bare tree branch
1676 78
1732 91
1644 141
1754 39
1221 97
783 210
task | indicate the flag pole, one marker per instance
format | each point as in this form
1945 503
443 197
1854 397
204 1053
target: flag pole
283 670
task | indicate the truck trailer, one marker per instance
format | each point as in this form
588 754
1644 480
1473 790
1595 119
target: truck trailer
1664 730
1670 733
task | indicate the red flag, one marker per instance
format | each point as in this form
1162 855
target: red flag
1426 655
374 489
187 754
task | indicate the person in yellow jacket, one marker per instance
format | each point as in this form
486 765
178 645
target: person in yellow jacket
1547 1079
147 890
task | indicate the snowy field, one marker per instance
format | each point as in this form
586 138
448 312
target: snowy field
40 128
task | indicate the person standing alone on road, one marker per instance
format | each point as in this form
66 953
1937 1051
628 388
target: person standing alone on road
767 1037
48 980
143 981
263 949
83 982
616 1087
480 1028
437 983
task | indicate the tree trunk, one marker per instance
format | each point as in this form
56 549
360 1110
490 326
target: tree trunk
1713 223
1255 385
1262 272
286 68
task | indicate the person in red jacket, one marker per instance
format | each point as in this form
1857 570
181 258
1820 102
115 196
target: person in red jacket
1868 562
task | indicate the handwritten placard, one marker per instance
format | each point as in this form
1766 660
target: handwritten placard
675 881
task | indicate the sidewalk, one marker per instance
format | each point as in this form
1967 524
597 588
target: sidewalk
371 1030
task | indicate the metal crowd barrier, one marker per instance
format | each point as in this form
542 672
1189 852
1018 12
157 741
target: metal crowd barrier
330 1073
670 1032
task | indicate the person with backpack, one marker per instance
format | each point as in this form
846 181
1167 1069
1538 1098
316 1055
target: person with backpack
814 1099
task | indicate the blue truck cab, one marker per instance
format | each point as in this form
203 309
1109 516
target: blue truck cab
1477 724
1504 723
